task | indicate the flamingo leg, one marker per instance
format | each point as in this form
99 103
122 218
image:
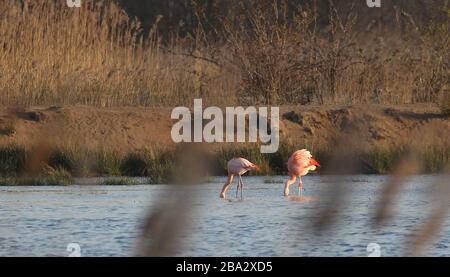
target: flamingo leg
226 185
289 182
238 186
300 186
242 185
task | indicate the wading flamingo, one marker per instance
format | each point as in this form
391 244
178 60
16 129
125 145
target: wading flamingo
299 164
237 166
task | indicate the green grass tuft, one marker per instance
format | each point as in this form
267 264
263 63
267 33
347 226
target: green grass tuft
159 166
156 165
63 159
134 165
107 163
12 160
58 177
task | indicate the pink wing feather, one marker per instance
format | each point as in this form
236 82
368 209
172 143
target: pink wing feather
239 166
298 162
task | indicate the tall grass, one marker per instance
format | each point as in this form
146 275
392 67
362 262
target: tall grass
58 177
107 163
161 165
12 160
266 52
94 55
155 164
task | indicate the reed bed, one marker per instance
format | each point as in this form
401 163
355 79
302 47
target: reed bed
267 52
94 55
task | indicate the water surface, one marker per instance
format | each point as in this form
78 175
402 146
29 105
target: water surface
105 221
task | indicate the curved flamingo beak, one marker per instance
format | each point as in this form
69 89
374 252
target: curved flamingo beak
255 167
314 162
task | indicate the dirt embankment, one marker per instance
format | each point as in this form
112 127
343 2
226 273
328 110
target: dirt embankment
128 129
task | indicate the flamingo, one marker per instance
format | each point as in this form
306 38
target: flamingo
299 164
237 166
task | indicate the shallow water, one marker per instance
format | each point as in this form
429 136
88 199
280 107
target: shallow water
105 221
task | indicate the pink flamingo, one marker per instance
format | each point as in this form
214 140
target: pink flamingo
237 166
299 164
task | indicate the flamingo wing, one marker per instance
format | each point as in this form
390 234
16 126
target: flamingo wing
239 166
299 161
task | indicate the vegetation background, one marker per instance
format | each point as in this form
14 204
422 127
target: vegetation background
150 53
164 53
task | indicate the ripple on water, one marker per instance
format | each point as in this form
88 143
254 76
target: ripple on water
104 220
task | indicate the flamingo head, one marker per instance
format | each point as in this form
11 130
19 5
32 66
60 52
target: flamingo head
255 167
313 164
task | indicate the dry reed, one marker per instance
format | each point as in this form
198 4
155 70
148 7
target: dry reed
267 53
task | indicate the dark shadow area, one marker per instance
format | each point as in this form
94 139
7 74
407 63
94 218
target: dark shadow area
413 115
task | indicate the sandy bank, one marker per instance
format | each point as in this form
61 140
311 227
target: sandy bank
131 128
